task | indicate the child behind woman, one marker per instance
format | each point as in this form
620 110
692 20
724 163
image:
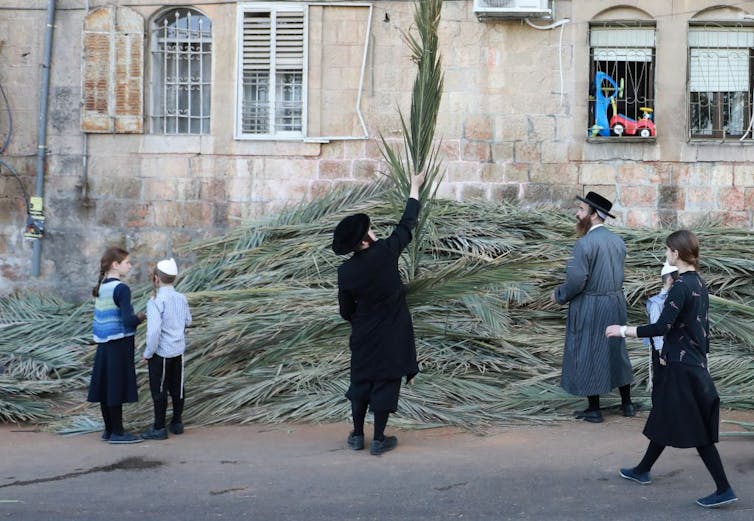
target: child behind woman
113 380
167 317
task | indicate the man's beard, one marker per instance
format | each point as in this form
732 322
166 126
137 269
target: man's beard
583 225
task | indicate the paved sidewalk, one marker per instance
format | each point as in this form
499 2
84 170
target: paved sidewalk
562 472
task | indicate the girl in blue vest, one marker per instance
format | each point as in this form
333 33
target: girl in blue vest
114 373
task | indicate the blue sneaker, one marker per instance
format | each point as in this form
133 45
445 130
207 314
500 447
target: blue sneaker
126 437
642 478
715 500
106 435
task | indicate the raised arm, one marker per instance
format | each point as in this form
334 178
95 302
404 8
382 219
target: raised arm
401 235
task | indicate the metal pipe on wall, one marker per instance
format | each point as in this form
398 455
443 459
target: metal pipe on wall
42 130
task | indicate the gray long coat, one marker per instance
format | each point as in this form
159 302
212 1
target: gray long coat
592 363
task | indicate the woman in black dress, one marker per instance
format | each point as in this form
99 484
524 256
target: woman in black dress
685 405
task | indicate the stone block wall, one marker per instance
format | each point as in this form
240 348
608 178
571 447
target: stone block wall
513 125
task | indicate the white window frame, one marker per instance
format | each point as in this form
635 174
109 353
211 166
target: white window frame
242 9
734 44
160 89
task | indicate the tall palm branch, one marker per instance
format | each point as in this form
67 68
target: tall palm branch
420 152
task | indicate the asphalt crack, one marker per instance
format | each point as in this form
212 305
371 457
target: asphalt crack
448 487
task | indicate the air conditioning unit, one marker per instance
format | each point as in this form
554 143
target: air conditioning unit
512 9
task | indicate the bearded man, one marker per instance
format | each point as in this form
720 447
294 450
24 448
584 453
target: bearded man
593 364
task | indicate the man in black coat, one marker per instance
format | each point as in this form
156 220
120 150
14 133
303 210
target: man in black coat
372 298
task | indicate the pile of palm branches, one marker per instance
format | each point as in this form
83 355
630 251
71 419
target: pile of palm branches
268 345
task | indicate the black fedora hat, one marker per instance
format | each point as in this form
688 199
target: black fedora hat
597 202
349 233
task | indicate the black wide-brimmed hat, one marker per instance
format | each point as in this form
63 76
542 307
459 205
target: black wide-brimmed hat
597 202
349 233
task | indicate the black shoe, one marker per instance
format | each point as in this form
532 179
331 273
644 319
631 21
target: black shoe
106 435
176 428
355 441
126 437
594 416
628 410
380 447
155 434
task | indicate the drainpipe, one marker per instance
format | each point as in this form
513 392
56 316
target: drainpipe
42 130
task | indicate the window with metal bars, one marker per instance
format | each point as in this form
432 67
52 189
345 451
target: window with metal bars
271 92
720 81
181 77
621 81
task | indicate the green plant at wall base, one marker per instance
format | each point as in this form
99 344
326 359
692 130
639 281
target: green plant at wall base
419 152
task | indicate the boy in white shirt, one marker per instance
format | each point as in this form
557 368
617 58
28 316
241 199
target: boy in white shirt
168 315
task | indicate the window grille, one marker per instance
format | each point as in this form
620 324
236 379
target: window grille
272 73
720 81
181 73
621 81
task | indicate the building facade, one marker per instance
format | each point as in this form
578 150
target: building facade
174 121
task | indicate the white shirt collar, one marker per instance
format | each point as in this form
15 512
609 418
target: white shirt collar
595 226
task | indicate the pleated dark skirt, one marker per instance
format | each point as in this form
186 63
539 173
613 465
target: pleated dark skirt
685 407
114 373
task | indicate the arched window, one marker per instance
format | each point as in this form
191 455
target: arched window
181 79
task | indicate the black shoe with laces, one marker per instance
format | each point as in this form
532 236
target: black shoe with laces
380 447
155 434
594 416
355 441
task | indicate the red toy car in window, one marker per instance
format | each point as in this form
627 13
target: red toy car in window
623 125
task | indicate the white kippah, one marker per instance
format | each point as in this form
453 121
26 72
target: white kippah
168 267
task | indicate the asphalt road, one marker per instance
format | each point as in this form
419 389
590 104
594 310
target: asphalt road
567 471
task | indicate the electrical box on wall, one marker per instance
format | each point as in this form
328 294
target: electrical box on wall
512 9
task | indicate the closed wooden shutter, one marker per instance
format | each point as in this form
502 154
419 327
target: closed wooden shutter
113 71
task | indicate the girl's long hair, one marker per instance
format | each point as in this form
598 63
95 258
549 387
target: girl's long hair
686 243
111 255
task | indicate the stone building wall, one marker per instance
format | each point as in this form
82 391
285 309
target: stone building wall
513 123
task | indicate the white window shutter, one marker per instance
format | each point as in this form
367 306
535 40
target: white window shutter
257 41
629 44
289 41
719 70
